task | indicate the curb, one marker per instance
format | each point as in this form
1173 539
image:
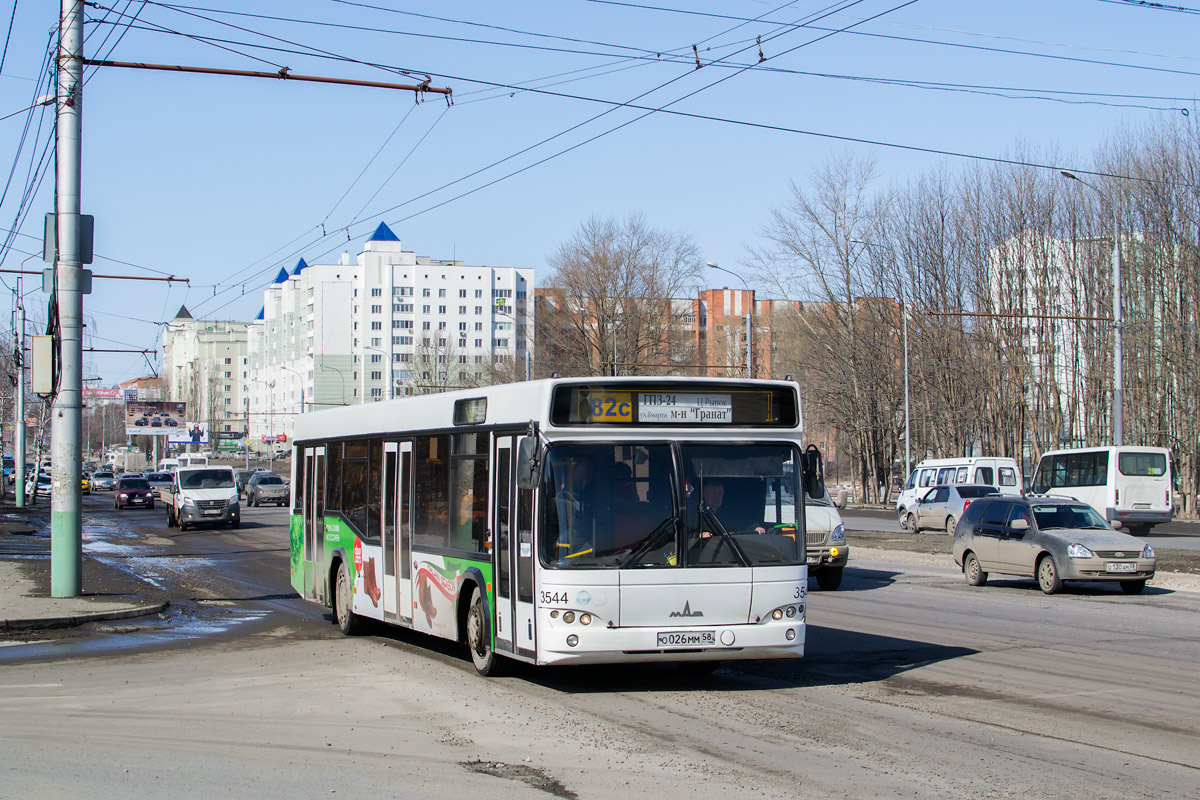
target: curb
76 620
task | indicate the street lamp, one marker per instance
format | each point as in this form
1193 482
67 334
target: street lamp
341 375
1118 317
521 332
612 330
907 418
749 325
271 424
388 357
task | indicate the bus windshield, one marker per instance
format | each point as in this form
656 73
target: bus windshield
612 506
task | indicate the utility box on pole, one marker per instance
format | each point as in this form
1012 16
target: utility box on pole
41 364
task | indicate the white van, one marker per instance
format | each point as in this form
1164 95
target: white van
1003 473
192 460
1128 484
825 541
168 465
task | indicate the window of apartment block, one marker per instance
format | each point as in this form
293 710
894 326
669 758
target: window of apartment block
426 325
376 292
375 342
376 309
441 326
405 340
478 326
375 358
462 309
228 375
441 309
424 293
462 359
441 292
425 309
376 325
377 393
462 342
376 376
479 342
229 361
479 292
520 295
462 292
404 357
500 342
462 326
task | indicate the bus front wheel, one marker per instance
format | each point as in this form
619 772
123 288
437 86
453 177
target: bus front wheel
479 639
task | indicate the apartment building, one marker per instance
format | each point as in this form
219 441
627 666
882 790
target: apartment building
202 365
384 324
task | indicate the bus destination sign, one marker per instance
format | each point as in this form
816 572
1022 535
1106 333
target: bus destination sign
685 407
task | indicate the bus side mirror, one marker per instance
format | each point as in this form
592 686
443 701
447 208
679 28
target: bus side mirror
528 463
814 472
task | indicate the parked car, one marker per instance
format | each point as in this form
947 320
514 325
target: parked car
133 493
85 483
43 485
240 477
157 480
1051 539
104 481
942 507
266 487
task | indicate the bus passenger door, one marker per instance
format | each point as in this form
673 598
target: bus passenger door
503 560
404 527
314 522
524 558
389 517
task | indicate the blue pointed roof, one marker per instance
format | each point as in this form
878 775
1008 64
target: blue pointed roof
383 234
282 276
261 313
300 267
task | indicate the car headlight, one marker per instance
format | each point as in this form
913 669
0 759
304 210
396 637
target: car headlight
1078 551
187 501
1147 552
124 496
232 502
839 534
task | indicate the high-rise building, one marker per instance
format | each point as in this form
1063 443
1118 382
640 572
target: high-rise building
386 324
202 365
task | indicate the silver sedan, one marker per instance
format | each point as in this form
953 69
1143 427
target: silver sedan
1050 539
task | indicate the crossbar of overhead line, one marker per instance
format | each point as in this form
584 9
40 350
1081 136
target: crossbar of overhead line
169 279
1015 315
282 74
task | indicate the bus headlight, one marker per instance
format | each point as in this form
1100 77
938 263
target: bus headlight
777 614
569 617
572 640
791 634
585 619
791 611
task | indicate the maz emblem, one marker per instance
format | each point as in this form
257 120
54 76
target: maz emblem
687 611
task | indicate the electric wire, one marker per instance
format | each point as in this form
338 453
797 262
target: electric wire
8 36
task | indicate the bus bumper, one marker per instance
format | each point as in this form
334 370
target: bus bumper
603 645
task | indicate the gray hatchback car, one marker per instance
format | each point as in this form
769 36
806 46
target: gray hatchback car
1051 539
943 505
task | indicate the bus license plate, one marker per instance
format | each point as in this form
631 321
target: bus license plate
687 639
1120 566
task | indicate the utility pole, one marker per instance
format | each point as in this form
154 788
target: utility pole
66 524
19 426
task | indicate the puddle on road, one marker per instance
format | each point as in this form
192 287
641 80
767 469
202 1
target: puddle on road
179 623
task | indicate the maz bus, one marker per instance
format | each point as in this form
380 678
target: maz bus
565 520
1131 485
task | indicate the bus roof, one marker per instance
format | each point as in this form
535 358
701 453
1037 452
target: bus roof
509 404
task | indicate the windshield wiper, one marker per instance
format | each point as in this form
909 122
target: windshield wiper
719 529
652 541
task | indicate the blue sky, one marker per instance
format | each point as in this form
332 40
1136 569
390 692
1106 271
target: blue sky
222 180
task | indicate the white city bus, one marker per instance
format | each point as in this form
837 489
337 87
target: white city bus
564 521
1127 484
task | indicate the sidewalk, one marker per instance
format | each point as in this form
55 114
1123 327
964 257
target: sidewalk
25 601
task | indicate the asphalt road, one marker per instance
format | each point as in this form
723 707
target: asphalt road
1178 534
914 685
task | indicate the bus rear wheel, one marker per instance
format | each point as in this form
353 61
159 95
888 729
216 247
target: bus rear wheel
343 604
479 639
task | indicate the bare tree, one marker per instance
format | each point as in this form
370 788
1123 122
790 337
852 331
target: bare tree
608 307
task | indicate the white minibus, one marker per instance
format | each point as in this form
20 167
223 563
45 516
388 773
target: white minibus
1128 484
1003 473
192 460
168 464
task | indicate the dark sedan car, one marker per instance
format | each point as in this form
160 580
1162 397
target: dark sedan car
133 493
1051 539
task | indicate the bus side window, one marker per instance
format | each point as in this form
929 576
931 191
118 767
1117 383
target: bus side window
962 475
984 475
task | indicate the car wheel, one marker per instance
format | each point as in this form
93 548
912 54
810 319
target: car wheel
479 637
902 516
829 579
1047 575
235 524
910 523
950 523
170 518
343 604
973 571
1133 587
183 526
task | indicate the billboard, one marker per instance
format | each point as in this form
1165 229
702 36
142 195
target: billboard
154 418
101 394
192 432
